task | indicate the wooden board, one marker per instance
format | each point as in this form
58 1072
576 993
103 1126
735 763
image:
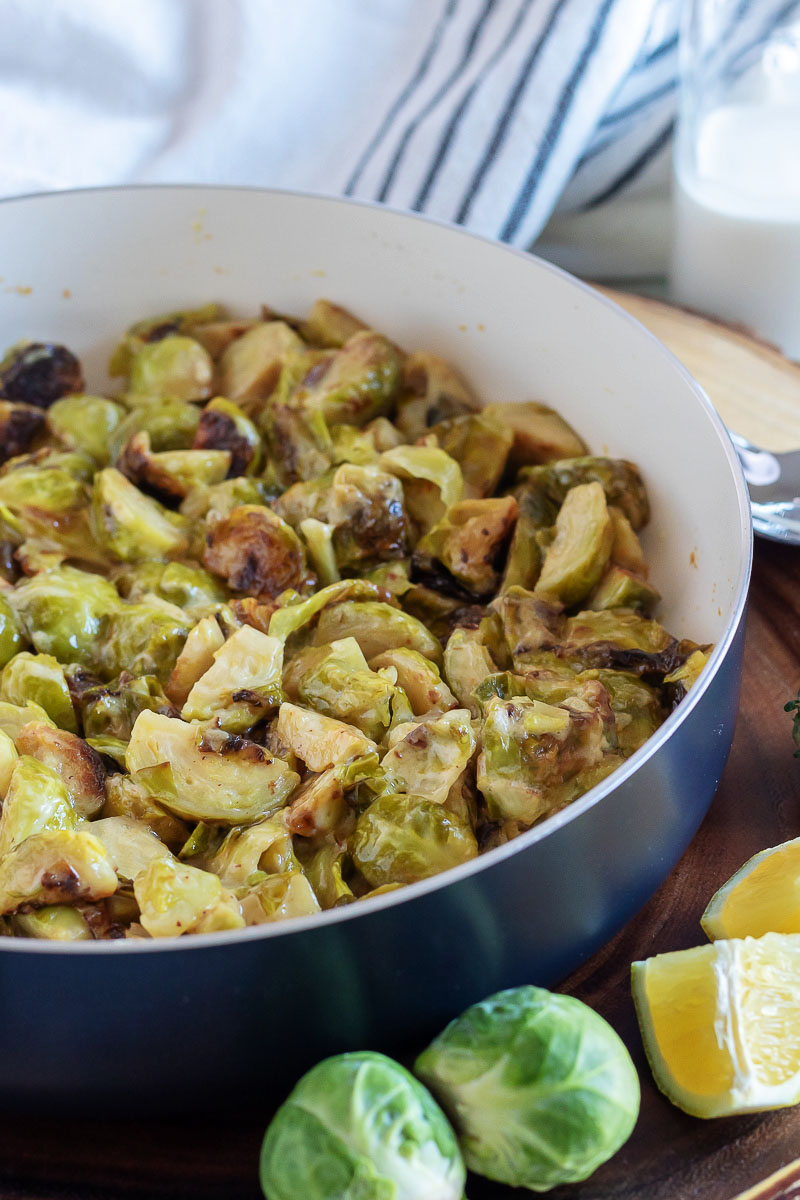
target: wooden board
753 387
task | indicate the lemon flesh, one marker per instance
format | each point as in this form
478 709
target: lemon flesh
721 1024
762 897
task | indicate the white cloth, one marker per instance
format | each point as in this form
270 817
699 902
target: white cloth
491 113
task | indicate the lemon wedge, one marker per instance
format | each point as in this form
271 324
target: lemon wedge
721 1024
762 897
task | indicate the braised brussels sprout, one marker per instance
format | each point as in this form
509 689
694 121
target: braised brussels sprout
330 326
19 425
540 434
144 639
325 871
294 424
171 475
320 741
86 423
528 623
36 799
203 777
418 677
619 479
224 427
175 366
319 805
219 499
130 845
466 662
359 381
196 657
480 444
360 1123
251 365
175 898
38 373
532 753
131 526
401 839
559 1074
79 766
110 709
296 613
578 555
619 588
265 846
54 923
432 390
8 760
279 897
620 639
154 328
170 425
12 638
532 534
427 757
183 584
13 717
125 797
243 684
55 866
626 549
40 678
256 552
340 684
62 612
466 549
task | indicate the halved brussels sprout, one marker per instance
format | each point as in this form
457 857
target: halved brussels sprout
242 685
621 639
637 708
339 684
376 627
363 447
86 423
330 326
175 898
219 499
293 422
40 678
126 797
324 870
427 757
279 897
55 923
62 612
79 766
540 434
38 373
224 427
36 798
14 716
465 550
203 777
171 474
360 380
12 638
55 866
251 365
132 526
110 709
619 588
319 541
44 508
619 479
528 624
626 550
418 677
432 481
185 585
432 390
480 445
578 555
320 741
318 806
256 552
400 839
466 662
532 753
196 657
216 336
144 638
175 366
265 846
152 329
19 425
130 845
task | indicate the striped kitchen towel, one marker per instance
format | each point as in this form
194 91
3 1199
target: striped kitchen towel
490 113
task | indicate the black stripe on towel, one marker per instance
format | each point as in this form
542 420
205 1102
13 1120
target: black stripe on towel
629 174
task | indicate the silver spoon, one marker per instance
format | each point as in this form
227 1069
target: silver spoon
774 484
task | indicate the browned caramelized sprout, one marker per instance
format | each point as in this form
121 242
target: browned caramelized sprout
294 620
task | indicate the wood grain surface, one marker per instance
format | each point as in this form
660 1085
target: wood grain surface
670 1156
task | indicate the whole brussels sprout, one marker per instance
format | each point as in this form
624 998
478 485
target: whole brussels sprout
86 423
184 584
400 839
39 373
144 638
170 425
12 639
62 611
539 1087
175 365
360 1127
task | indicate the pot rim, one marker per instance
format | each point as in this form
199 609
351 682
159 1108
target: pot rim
573 811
